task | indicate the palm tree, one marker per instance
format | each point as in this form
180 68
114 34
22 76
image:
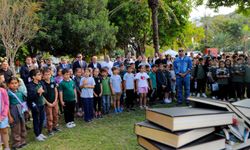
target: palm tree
154 5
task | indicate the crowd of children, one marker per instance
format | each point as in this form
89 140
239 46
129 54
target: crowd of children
93 92
227 78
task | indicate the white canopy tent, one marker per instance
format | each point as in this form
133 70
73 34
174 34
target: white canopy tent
170 52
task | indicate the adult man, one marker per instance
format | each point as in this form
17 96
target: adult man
182 68
64 64
50 64
107 64
79 63
94 63
118 62
35 63
25 70
6 71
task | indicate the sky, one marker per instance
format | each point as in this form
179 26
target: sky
200 11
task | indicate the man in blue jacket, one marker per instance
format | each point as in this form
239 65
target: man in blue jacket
182 68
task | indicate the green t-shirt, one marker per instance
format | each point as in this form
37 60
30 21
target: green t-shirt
67 88
106 86
152 76
12 98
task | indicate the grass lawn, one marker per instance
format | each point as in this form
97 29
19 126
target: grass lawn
113 132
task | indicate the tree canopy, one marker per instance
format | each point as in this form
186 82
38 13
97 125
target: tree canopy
70 27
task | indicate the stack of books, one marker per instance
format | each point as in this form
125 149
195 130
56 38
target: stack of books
237 134
183 128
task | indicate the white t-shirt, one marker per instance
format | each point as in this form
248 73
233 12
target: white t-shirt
129 78
116 82
87 92
142 79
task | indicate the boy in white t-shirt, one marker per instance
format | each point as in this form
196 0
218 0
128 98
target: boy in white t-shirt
129 84
142 86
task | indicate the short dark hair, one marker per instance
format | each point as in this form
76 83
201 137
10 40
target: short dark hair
12 78
47 69
103 70
154 66
114 68
64 71
34 72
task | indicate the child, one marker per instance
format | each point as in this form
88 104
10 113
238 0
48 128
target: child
153 84
59 76
116 88
51 97
193 83
77 79
142 86
122 71
200 77
163 82
129 88
58 79
16 98
67 95
4 113
2 80
71 73
106 91
222 75
173 81
97 94
211 78
36 102
238 73
87 85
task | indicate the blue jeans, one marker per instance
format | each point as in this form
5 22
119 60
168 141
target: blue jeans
180 83
88 108
38 116
106 103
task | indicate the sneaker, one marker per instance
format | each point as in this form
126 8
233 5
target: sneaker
167 101
73 124
198 95
145 107
141 107
116 110
188 105
204 95
120 110
7 148
39 138
69 125
43 136
51 133
56 130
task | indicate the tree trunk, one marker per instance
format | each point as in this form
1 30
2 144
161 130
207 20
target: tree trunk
12 65
154 5
11 60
